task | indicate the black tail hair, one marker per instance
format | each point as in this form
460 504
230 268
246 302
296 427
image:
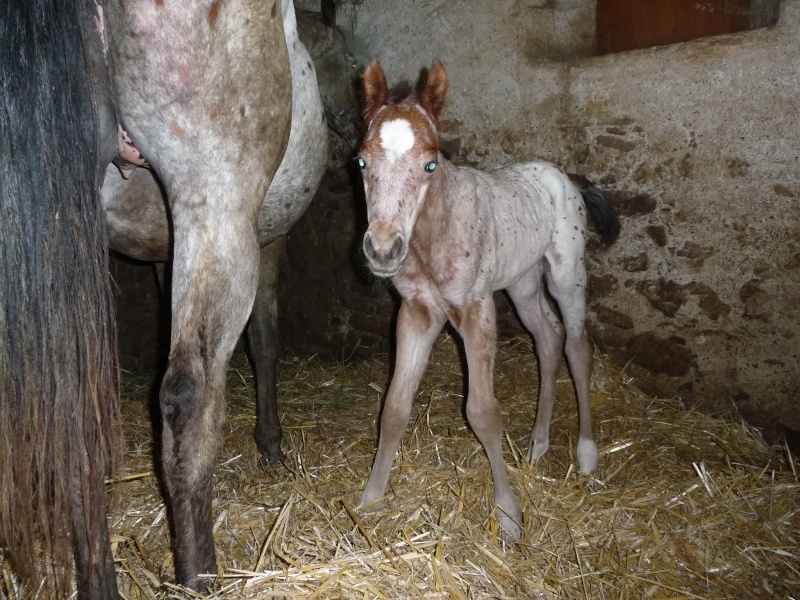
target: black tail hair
58 403
603 214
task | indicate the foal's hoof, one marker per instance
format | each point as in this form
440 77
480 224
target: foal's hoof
537 449
587 455
368 504
510 527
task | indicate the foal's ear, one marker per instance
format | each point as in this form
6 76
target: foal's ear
432 97
375 90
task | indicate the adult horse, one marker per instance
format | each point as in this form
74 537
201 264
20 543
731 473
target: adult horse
337 70
138 214
204 92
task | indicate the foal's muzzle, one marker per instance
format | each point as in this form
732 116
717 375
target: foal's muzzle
384 253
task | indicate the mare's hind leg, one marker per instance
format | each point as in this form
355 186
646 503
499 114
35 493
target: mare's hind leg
213 285
418 326
538 318
264 346
477 326
208 102
567 284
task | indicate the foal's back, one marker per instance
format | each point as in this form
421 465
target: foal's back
512 217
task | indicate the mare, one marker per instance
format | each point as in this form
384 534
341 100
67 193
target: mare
138 214
337 70
448 237
203 89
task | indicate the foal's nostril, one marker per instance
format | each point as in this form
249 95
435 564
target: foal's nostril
397 250
369 248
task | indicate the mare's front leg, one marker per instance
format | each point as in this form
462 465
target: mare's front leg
476 324
264 346
418 326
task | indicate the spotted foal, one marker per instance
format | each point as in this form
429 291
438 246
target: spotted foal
450 236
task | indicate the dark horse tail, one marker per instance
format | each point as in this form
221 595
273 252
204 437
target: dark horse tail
603 214
58 399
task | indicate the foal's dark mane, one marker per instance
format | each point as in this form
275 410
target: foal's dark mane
399 93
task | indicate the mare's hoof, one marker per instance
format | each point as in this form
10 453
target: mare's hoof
272 456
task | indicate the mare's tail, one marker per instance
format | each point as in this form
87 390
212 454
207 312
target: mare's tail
603 214
58 399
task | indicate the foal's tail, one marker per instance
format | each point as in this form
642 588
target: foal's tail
603 214
58 401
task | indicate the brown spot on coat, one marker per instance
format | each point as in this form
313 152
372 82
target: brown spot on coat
213 12
177 130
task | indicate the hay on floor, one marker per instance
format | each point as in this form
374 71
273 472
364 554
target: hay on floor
682 505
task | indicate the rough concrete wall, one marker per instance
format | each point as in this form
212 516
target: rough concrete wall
480 32
701 143
697 144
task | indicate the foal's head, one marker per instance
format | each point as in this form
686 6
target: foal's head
398 160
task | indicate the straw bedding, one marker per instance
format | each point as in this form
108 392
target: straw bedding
682 505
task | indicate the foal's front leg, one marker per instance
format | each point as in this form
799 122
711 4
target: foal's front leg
418 326
476 324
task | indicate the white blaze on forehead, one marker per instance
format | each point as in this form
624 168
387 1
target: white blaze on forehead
397 138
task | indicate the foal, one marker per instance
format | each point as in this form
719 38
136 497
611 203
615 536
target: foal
449 237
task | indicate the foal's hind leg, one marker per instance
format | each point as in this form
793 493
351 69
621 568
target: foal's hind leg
567 284
477 326
264 346
537 317
418 326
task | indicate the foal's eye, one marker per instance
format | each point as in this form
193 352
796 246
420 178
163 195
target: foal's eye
362 163
430 166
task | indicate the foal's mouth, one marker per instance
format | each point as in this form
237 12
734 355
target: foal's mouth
384 272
